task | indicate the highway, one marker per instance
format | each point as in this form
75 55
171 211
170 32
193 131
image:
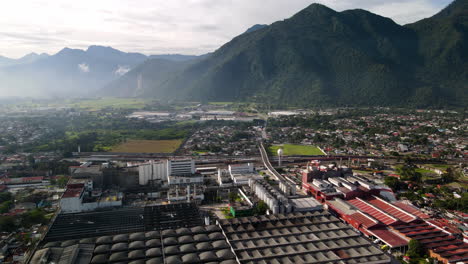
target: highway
268 165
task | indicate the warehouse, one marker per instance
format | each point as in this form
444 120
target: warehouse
200 244
312 237
394 224
124 220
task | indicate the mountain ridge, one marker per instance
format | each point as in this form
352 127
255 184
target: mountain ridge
69 72
323 57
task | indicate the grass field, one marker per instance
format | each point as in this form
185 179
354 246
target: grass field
442 167
100 103
290 150
424 171
148 146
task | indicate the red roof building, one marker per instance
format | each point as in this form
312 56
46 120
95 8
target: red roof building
392 210
389 237
373 211
411 209
441 245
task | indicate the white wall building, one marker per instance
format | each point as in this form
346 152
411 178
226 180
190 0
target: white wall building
241 168
72 201
152 171
180 167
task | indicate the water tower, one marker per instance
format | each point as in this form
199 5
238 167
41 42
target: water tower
280 155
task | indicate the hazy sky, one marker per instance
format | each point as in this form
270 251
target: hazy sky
162 26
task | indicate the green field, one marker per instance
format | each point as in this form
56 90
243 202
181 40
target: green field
424 171
442 167
291 150
92 104
148 146
100 103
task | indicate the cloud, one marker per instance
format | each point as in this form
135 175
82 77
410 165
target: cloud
83 67
162 26
121 70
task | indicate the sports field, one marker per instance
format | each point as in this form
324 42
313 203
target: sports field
148 146
291 150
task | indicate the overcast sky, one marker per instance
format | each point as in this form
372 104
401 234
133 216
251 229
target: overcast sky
162 26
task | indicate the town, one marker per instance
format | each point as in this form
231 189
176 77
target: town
232 183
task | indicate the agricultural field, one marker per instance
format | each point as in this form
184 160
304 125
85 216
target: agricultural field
291 150
101 103
91 104
148 146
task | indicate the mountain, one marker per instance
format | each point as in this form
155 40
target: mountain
29 58
323 57
5 61
174 57
255 28
140 80
443 46
70 72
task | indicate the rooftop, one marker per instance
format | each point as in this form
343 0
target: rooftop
199 244
411 209
123 220
373 211
72 192
389 237
312 237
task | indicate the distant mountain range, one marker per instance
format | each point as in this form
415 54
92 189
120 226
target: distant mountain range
318 57
29 58
70 72
323 57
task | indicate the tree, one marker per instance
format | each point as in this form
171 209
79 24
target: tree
409 174
449 176
5 196
392 182
33 217
261 208
6 206
415 249
7 224
62 181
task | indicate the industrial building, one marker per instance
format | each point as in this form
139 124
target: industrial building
180 167
123 220
240 174
178 177
329 182
395 224
312 237
161 170
77 198
185 188
152 171
200 244
175 234
277 202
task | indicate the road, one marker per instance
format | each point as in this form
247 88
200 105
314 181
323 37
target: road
268 165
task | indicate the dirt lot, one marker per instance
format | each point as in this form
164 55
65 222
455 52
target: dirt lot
148 146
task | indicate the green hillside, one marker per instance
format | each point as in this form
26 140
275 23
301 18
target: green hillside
323 57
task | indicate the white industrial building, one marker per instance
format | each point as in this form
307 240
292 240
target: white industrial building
155 170
276 201
185 188
241 168
242 173
72 200
161 170
180 167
